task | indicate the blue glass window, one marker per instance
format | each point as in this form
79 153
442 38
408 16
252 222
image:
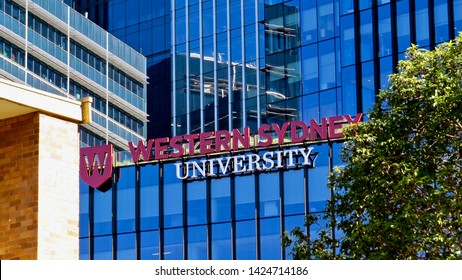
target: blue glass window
346 7
83 248
441 21
149 197
270 239
245 197
386 68
197 243
221 241
403 25
84 207
269 194
103 247
197 208
349 90
384 30
292 222
126 247
103 212
193 22
327 65
457 16
173 197
326 20
310 68
348 40
311 107
365 4
367 47
309 27
221 200
318 192
126 200
328 103
368 85
173 249
149 245
421 22
245 240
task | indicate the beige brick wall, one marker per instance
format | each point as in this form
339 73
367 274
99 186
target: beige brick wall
39 188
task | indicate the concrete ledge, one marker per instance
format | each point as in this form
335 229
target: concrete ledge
17 99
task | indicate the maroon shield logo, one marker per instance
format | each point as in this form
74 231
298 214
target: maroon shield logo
96 165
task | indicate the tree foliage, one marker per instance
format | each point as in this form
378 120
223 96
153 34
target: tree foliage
399 194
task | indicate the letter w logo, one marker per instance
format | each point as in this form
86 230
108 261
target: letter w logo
96 165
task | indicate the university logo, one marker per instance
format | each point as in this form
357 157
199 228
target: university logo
96 166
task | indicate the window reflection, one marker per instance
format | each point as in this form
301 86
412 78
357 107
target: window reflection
197 243
149 197
173 197
149 245
126 200
221 200
245 240
221 241
173 249
318 192
270 239
245 197
126 247
269 194
197 204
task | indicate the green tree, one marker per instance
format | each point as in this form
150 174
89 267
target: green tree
399 195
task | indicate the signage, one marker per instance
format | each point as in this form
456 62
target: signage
96 166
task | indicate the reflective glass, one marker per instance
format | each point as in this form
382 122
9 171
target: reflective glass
149 197
309 27
349 90
245 240
126 200
103 212
245 197
221 241
269 195
197 203
173 197
348 40
403 25
103 247
83 248
126 247
270 239
441 21
367 48
318 192
84 207
384 30
421 22
311 107
326 21
197 243
221 200
368 84
294 193
386 68
457 16
291 222
346 7
327 64
149 245
173 239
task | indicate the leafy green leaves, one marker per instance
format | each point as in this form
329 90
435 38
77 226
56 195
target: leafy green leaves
399 195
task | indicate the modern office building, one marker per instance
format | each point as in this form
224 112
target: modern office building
222 65
49 46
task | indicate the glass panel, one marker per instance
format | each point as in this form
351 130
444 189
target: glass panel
270 238
404 40
367 48
173 244
83 247
384 30
326 20
348 40
197 243
457 16
245 197
245 240
421 22
310 68
126 247
326 65
269 194
149 245
103 248
328 103
441 21
103 212
149 197
197 207
221 200
83 206
126 200
308 25
221 241
292 222
317 180
173 197
368 85
349 90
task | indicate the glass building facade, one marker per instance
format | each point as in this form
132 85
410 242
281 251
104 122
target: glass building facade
47 45
225 64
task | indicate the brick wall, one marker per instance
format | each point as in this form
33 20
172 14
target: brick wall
39 188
